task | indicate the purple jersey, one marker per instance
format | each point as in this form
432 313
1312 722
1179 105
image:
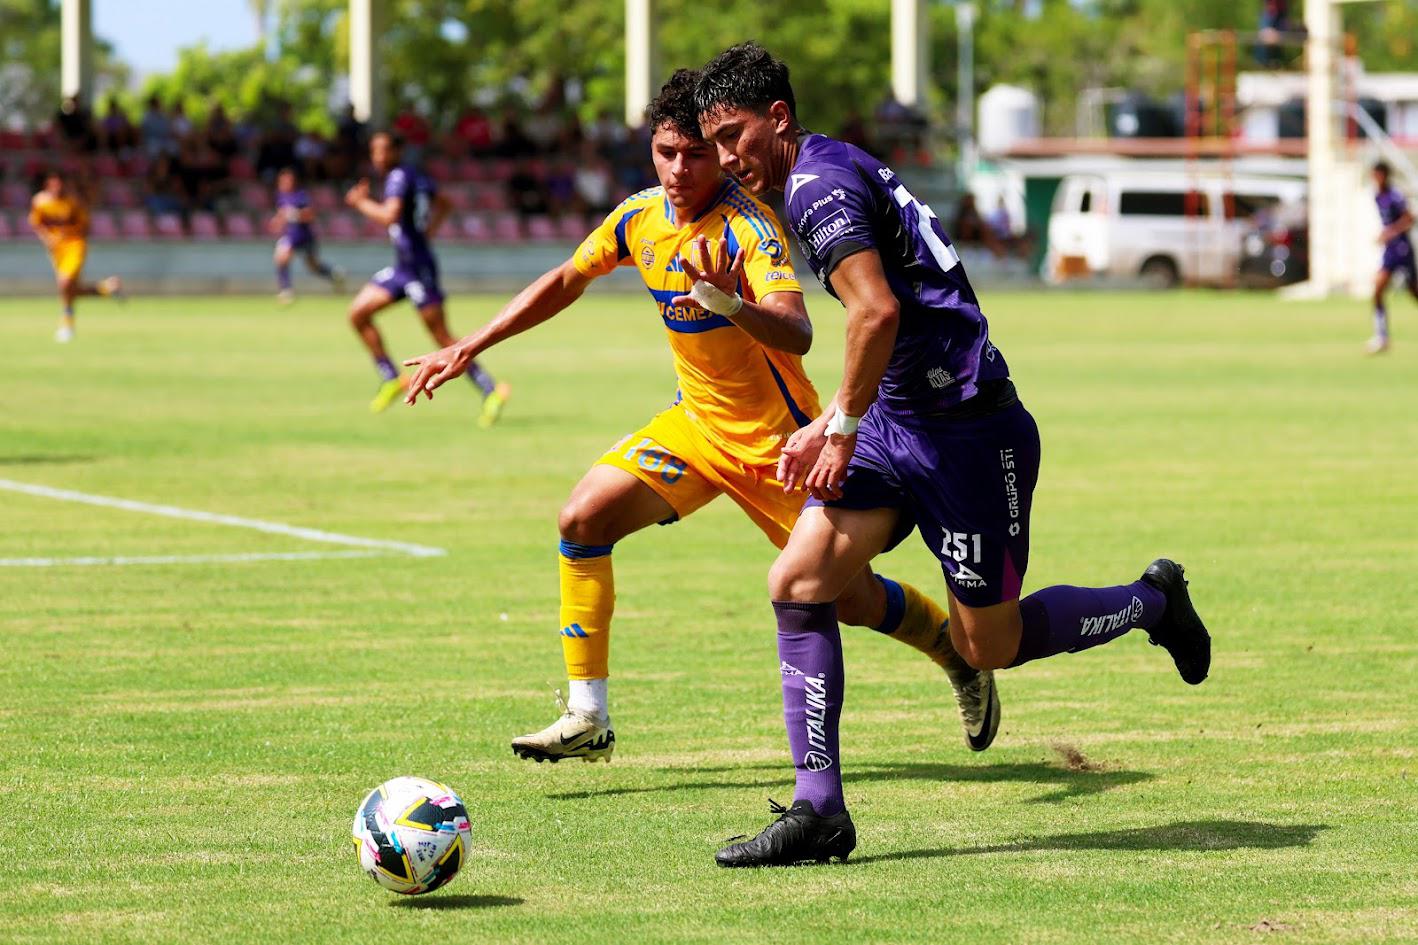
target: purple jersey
841 200
409 233
290 206
1392 207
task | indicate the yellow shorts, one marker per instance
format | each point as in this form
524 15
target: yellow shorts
673 457
68 258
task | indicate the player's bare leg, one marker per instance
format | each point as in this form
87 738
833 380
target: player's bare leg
494 395
72 288
285 294
318 267
607 505
369 302
1378 343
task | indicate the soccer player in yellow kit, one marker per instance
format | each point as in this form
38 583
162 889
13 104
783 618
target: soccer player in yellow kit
61 221
737 328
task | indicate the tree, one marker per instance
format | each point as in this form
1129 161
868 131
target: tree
30 62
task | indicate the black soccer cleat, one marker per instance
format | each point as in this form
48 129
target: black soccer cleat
1180 631
799 835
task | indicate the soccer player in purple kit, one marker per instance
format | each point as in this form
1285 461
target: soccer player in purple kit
1397 220
412 209
926 432
294 221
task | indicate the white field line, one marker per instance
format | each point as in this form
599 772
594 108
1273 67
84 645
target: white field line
187 559
214 518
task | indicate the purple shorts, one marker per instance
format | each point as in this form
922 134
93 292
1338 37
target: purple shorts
417 281
298 238
1398 257
966 485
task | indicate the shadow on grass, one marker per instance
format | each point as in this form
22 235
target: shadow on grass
1186 835
1068 783
457 902
43 459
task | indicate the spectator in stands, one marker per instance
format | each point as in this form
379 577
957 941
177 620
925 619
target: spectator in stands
75 124
181 124
514 143
221 134
527 192
414 129
474 132
349 145
164 188
608 134
1274 23
115 132
202 171
854 131
277 147
560 183
310 156
156 129
969 227
544 127
594 181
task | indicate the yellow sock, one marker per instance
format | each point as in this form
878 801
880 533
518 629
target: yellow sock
587 601
923 624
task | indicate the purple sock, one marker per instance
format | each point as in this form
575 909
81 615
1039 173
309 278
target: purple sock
810 655
481 378
283 277
386 369
1065 619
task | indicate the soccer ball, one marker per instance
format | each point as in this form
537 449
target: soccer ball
412 835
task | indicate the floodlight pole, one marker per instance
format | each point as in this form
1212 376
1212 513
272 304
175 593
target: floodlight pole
366 91
639 59
908 52
965 90
76 40
1322 28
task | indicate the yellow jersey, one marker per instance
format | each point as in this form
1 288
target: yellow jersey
747 398
64 217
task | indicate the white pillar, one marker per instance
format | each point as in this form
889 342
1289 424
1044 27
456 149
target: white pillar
366 91
908 52
76 40
1322 137
639 59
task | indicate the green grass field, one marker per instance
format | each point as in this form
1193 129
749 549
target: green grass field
182 745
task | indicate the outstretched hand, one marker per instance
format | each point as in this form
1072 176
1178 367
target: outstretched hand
718 270
434 370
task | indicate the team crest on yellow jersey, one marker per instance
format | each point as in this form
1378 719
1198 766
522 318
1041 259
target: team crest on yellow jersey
647 253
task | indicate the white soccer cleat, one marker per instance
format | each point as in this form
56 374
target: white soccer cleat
64 334
979 709
574 735
1376 345
285 297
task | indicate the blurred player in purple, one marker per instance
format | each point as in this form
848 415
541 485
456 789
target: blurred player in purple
293 221
926 432
412 209
1397 220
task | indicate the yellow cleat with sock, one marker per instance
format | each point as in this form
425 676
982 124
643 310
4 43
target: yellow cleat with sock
389 391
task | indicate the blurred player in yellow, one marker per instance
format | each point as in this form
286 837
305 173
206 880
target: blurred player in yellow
718 270
61 221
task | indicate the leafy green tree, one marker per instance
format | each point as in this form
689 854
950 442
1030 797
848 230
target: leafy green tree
30 60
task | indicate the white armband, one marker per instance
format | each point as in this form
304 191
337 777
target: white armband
713 299
841 424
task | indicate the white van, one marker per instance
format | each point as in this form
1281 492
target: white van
1165 228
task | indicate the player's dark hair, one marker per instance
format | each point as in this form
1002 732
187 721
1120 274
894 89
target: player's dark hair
744 76
1383 168
289 169
396 140
674 106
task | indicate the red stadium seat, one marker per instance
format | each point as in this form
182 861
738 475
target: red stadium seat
106 165
460 196
204 227
475 228
503 168
102 226
341 226
470 170
238 226
12 140
134 225
572 226
136 166
118 193
541 228
440 169
492 197
169 227
506 228
242 169
8 231
370 230
324 198
254 196
14 194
